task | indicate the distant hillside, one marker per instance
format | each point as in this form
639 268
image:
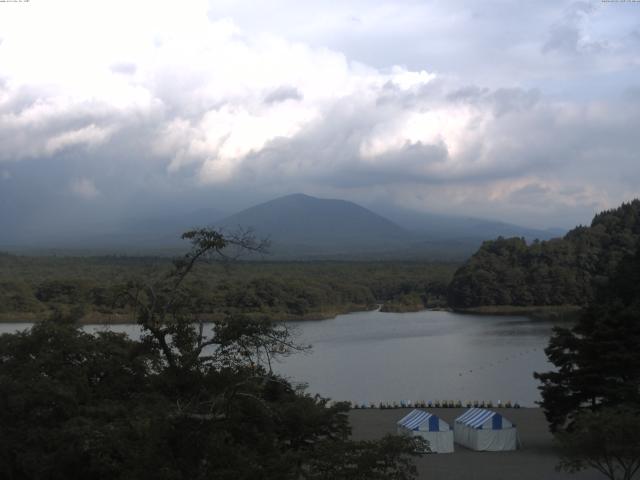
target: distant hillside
435 227
136 235
166 230
562 271
302 224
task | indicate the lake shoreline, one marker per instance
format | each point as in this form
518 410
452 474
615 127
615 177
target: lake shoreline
535 312
96 318
557 312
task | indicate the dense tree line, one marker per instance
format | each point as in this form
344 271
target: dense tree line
563 271
32 286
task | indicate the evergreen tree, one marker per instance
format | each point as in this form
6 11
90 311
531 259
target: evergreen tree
598 360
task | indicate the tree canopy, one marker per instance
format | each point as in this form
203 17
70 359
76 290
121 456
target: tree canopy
607 440
563 271
597 361
186 401
32 287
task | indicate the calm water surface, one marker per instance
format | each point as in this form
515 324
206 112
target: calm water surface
376 356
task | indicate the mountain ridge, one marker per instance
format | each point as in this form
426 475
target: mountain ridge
300 224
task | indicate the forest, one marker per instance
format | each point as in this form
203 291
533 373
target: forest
32 288
562 271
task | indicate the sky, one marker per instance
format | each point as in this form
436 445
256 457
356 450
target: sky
521 111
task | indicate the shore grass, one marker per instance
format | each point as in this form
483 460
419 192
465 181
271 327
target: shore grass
123 318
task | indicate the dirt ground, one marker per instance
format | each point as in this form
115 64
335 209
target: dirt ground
536 459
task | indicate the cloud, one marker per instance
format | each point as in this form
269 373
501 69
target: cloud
125 68
571 34
84 188
403 102
282 94
89 135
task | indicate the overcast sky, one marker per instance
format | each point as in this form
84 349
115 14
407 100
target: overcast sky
523 111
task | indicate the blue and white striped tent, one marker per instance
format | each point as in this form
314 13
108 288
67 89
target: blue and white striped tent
430 427
480 429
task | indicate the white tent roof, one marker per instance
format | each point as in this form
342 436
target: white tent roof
481 418
428 426
421 420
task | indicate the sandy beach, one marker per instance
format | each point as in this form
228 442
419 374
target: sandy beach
536 459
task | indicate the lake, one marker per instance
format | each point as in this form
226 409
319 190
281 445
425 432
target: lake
429 355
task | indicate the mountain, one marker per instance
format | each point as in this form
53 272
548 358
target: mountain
301 224
299 227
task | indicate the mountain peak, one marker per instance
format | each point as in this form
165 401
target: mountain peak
302 220
303 197
295 196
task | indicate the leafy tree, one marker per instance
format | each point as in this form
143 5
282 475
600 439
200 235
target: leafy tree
73 405
17 297
369 460
607 440
187 401
598 360
562 271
